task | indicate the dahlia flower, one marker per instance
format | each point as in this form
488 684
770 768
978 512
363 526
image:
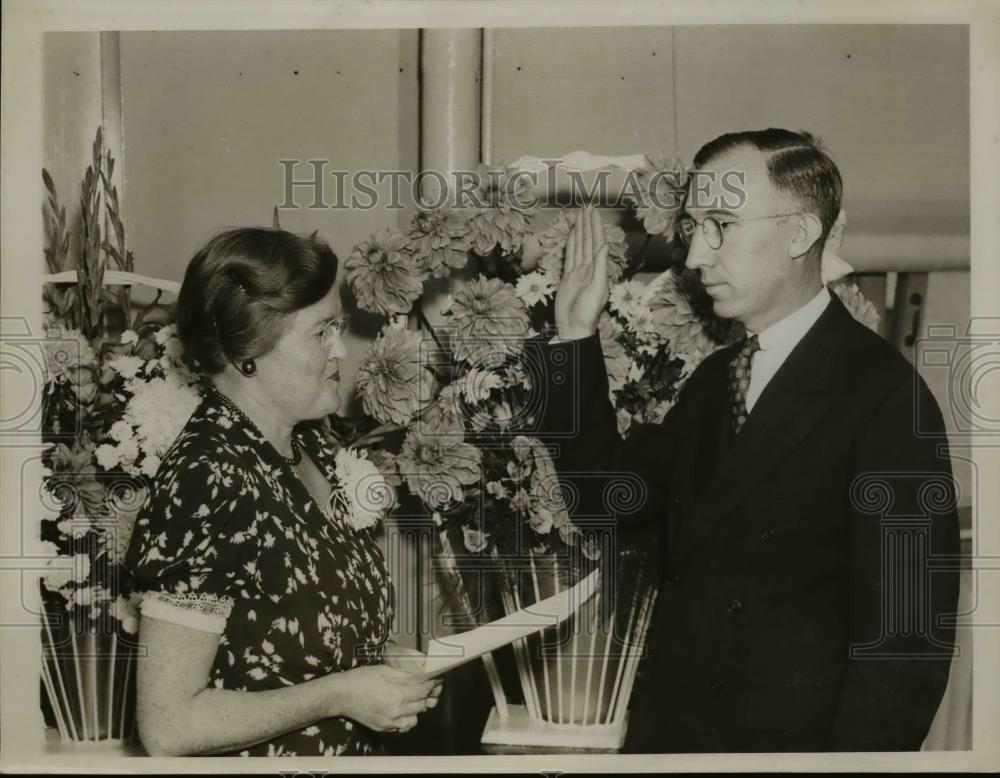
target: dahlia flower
437 463
384 276
435 238
501 212
662 188
490 321
675 320
477 384
393 379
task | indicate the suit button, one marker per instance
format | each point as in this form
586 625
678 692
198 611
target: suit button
735 606
672 580
717 685
766 535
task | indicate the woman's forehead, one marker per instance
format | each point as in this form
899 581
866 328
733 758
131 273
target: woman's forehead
328 307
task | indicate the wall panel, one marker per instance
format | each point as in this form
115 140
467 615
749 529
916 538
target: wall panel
605 90
207 116
891 102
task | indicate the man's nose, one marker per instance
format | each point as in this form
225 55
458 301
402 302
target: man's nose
699 253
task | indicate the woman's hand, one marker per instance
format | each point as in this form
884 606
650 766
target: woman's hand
383 698
409 660
583 288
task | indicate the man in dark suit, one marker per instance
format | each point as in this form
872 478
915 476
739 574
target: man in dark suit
808 521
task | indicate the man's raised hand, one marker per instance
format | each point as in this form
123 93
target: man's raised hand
583 288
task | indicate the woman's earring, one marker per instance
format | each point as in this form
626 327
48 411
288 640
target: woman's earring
248 368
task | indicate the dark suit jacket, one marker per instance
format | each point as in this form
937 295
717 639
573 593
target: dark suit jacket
808 568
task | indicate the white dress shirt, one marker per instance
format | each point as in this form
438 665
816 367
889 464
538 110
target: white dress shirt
777 342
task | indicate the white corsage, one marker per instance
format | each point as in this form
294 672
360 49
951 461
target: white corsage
361 495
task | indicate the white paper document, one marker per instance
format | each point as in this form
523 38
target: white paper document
445 653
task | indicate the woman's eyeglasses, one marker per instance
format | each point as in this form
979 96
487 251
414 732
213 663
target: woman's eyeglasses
713 230
335 329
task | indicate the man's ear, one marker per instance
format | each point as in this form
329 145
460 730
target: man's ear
807 233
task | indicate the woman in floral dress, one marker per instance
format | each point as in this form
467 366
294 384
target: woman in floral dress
265 612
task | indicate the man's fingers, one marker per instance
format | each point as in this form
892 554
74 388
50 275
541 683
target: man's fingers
596 230
578 256
601 263
570 263
583 219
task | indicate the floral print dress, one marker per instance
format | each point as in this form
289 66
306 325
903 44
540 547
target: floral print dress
230 541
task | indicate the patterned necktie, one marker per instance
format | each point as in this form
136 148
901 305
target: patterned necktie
739 382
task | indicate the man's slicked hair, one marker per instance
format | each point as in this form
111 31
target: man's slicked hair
796 163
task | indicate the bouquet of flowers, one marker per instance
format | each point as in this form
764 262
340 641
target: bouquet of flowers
463 393
111 413
116 395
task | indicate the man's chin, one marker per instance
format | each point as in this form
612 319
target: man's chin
724 309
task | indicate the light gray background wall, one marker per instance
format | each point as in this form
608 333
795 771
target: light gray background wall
891 103
206 116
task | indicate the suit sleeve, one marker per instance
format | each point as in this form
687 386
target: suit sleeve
903 589
578 422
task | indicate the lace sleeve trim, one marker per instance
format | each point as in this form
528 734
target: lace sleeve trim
197 610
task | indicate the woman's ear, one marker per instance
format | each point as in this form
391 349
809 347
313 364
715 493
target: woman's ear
805 236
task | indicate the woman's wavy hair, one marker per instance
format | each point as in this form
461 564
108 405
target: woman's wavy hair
240 286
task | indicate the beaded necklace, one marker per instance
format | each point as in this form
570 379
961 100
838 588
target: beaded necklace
291 461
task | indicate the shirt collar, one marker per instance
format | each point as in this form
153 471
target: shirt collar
782 336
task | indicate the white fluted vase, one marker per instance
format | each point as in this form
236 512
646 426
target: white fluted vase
577 677
88 671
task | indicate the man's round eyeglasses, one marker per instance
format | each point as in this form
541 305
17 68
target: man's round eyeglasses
713 229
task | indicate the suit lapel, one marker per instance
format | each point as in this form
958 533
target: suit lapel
703 440
792 403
